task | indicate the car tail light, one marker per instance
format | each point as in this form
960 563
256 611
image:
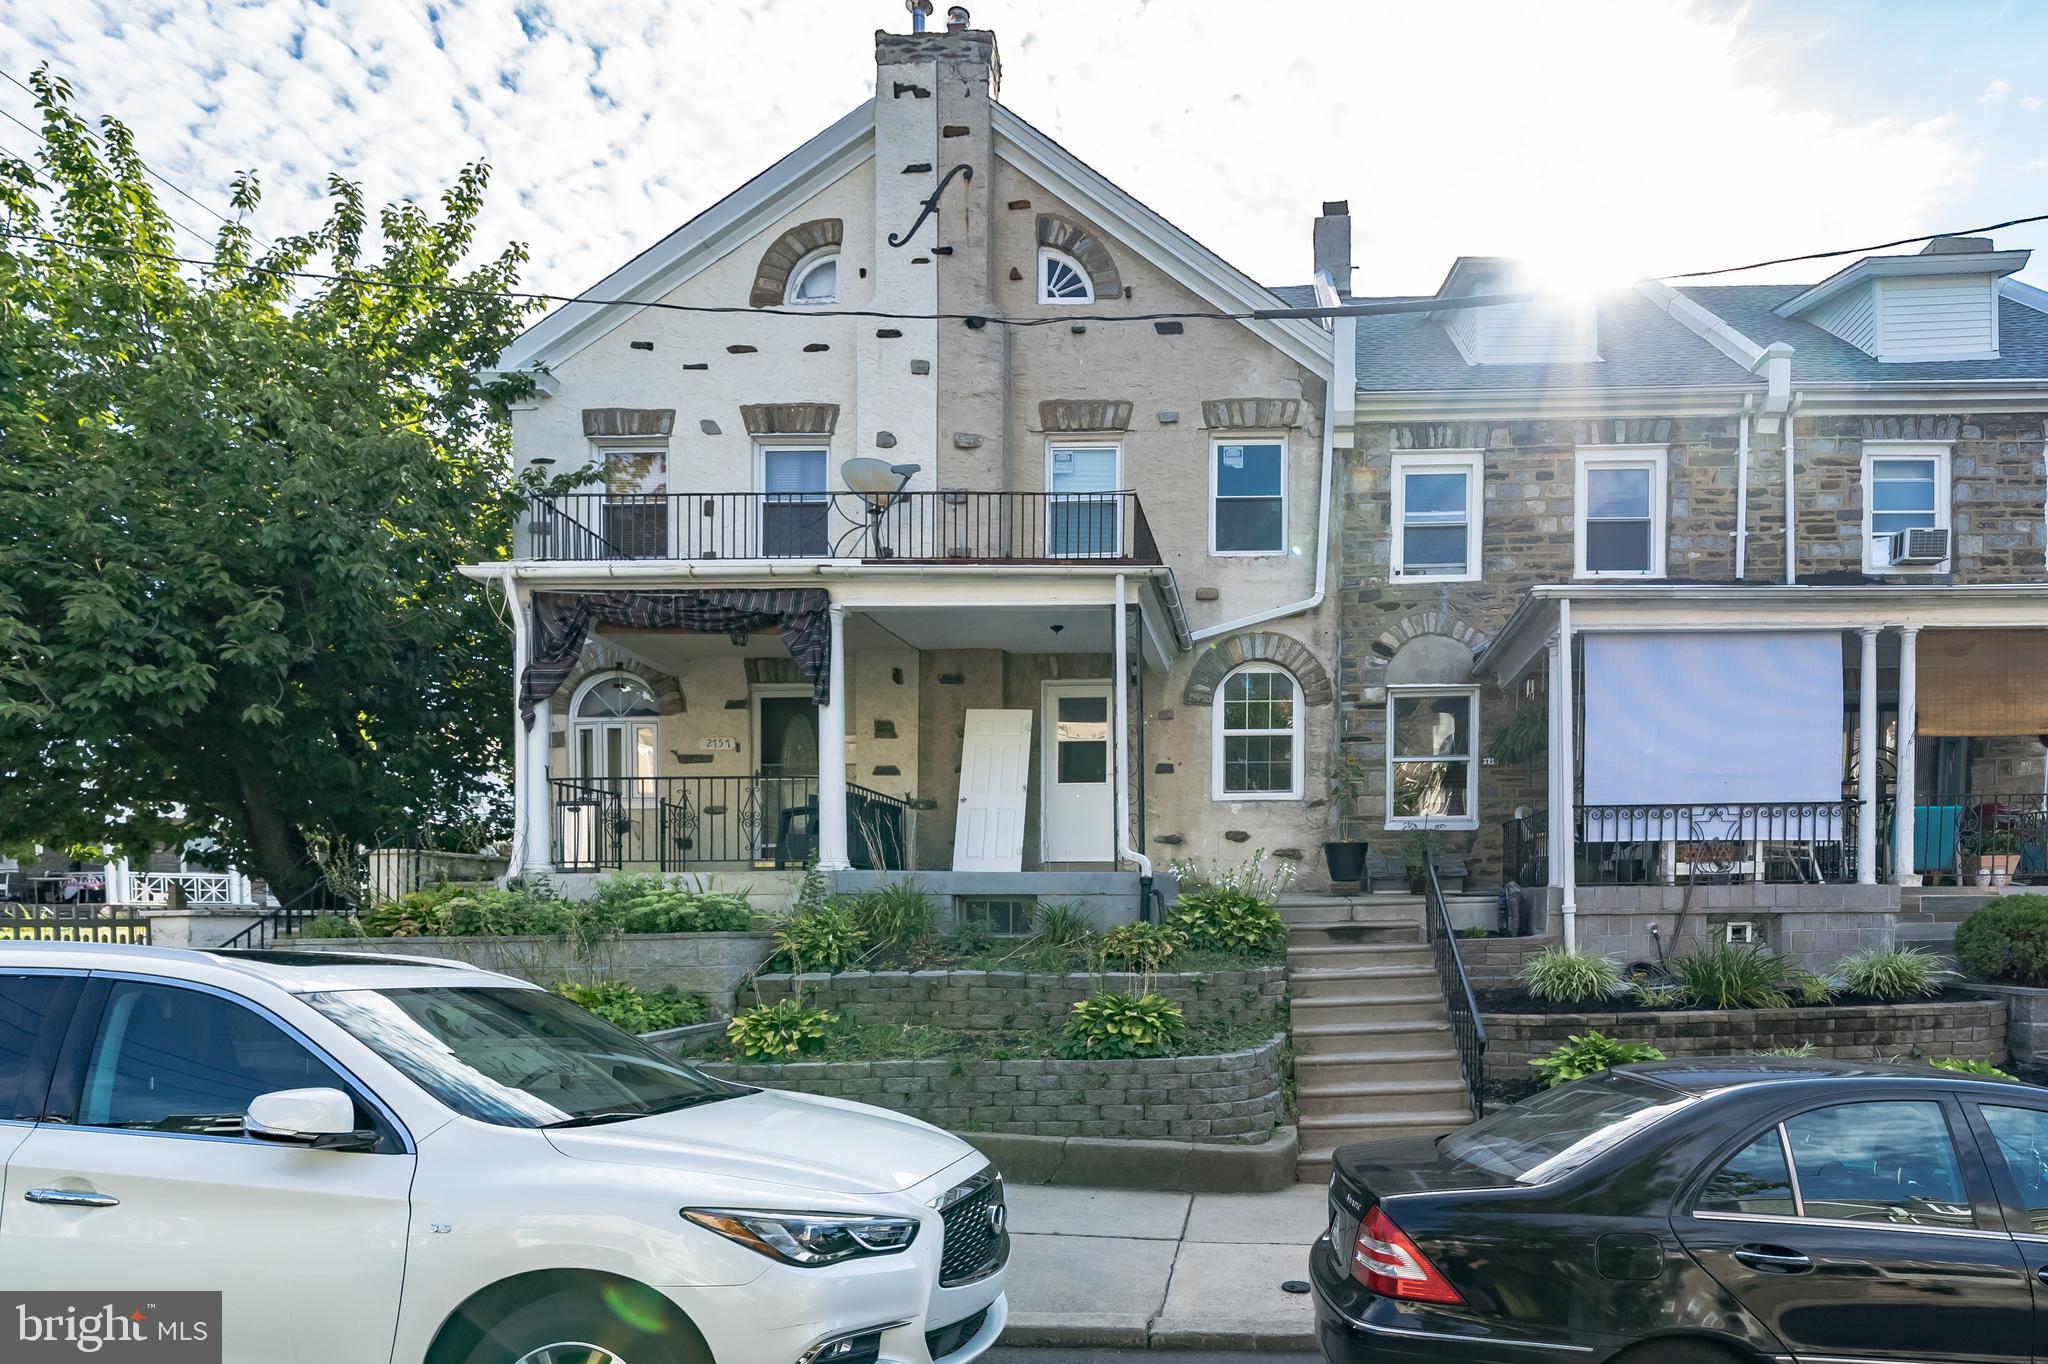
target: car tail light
1388 1264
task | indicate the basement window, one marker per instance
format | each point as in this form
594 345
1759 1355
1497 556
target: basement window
1001 916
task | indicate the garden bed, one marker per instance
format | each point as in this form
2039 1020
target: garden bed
1520 1001
1025 1001
709 964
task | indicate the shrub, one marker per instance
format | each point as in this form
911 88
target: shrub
1892 973
1060 926
1249 876
1557 976
331 926
823 939
1225 919
1114 1025
1727 976
898 916
1139 947
780 1031
409 916
1963 1067
634 1009
502 913
2007 940
641 902
1589 1054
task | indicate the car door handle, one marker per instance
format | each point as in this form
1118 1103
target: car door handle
1774 1259
72 1198
2042 1274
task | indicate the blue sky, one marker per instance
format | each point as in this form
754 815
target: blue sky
1600 138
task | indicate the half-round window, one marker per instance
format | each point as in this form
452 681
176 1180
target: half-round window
615 698
814 281
1062 279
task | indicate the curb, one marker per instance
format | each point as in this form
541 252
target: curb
1170 1166
1129 1331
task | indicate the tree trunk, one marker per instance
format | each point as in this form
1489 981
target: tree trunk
277 847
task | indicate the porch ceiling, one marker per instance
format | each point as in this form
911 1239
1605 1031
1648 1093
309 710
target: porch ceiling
1022 630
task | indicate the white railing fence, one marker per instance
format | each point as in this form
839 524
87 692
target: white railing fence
154 888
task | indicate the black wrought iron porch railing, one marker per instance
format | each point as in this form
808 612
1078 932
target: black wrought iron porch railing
678 823
91 923
1525 849
2000 836
1467 1031
323 899
1796 842
918 527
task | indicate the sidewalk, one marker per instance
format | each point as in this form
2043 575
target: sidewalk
1119 1267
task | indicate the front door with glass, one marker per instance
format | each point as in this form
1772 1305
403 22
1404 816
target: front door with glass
1078 812
611 809
786 780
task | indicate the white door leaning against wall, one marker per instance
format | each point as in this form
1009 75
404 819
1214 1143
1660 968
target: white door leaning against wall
995 767
1078 810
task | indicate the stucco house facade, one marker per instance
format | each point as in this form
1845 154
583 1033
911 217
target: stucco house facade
924 547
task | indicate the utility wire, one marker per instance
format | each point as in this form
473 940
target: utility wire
35 133
1857 250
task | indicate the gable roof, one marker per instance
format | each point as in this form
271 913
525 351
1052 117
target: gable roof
1820 357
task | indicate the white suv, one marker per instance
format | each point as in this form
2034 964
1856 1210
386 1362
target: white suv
382 1159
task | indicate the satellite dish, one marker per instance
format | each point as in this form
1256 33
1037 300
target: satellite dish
876 480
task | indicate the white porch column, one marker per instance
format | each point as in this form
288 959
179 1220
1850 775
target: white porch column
1558 774
116 876
534 853
832 755
1909 705
1567 796
1866 760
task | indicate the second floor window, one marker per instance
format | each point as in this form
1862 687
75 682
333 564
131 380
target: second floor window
1905 488
1620 526
815 281
1248 514
1084 515
1436 515
794 504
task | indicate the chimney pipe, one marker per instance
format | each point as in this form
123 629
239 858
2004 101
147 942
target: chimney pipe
956 19
1333 243
920 10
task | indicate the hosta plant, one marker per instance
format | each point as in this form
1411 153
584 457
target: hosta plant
1966 1067
1892 973
1112 1025
781 1031
1227 920
1139 947
636 1010
1556 976
1589 1054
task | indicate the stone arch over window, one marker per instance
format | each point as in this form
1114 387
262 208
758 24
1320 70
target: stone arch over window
666 690
771 277
1071 238
1226 656
1430 649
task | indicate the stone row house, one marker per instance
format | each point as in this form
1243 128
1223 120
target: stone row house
958 515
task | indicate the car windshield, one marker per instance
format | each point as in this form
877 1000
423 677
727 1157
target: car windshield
1561 1129
518 1058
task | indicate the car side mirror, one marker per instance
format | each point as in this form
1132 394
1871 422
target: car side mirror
322 1119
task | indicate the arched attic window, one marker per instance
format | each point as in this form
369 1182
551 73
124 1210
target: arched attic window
1258 741
815 280
793 258
1074 265
1061 278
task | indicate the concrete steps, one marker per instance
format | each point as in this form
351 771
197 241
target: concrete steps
1374 1055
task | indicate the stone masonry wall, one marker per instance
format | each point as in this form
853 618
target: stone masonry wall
1234 1098
1974 1030
1002 1001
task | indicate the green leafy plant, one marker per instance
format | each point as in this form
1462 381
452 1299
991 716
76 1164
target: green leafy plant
1139 947
1791 1053
1654 994
1521 738
1114 1025
1251 876
1892 974
331 926
1734 976
1346 783
828 938
2007 940
1996 843
1589 1054
1416 848
780 1031
1961 1066
1556 976
1060 927
634 1009
897 916
640 902
1227 920
1805 987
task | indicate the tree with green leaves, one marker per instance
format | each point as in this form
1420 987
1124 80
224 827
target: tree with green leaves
232 503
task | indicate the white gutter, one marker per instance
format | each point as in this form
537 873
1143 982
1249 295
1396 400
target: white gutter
1121 671
1791 502
1742 487
1340 407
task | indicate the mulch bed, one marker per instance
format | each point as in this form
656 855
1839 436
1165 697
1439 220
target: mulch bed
1520 1002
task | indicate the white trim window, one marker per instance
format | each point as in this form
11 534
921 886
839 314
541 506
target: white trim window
1258 742
1620 494
1436 516
795 500
815 280
1905 487
614 734
1432 758
1247 496
1084 515
1062 279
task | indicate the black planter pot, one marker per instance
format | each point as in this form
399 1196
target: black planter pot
1346 861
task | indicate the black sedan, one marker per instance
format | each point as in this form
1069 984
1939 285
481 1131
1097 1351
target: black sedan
1706 1212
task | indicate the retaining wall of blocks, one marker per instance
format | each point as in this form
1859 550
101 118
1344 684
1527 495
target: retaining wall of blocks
1021 1001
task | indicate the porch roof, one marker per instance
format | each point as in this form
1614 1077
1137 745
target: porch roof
1757 606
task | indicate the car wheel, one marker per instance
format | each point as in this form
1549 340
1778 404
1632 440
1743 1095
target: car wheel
625 1324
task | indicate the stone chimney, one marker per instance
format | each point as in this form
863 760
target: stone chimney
1333 242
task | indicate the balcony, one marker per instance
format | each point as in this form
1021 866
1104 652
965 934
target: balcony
919 527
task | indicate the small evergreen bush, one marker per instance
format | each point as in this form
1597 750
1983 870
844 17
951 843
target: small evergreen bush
2007 940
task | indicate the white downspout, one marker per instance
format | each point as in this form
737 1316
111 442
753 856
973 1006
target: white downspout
1791 503
1120 689
1339 405
1742 488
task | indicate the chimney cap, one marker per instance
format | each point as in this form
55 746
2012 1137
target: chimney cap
956 18
920 10
1956 246
1336 208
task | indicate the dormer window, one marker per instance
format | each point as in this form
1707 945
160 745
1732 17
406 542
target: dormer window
1544 331
1061 279
1942 304
814 281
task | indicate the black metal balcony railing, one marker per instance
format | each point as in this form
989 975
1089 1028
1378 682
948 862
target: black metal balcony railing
922 527
1810 842
2002 834
1525 850
678 823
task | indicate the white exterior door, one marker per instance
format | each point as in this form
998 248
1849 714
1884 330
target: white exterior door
306 1247
995 778
1078 809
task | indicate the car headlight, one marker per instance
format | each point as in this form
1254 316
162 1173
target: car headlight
809 1239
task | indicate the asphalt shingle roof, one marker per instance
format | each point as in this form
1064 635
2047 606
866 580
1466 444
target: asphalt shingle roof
1820 357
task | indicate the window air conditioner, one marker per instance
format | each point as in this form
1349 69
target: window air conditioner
1919 546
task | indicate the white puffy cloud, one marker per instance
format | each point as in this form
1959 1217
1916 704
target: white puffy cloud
1994 92
2031 102
1604 137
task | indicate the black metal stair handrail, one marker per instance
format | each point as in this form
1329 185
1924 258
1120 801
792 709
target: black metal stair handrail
1468 1032
320 898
